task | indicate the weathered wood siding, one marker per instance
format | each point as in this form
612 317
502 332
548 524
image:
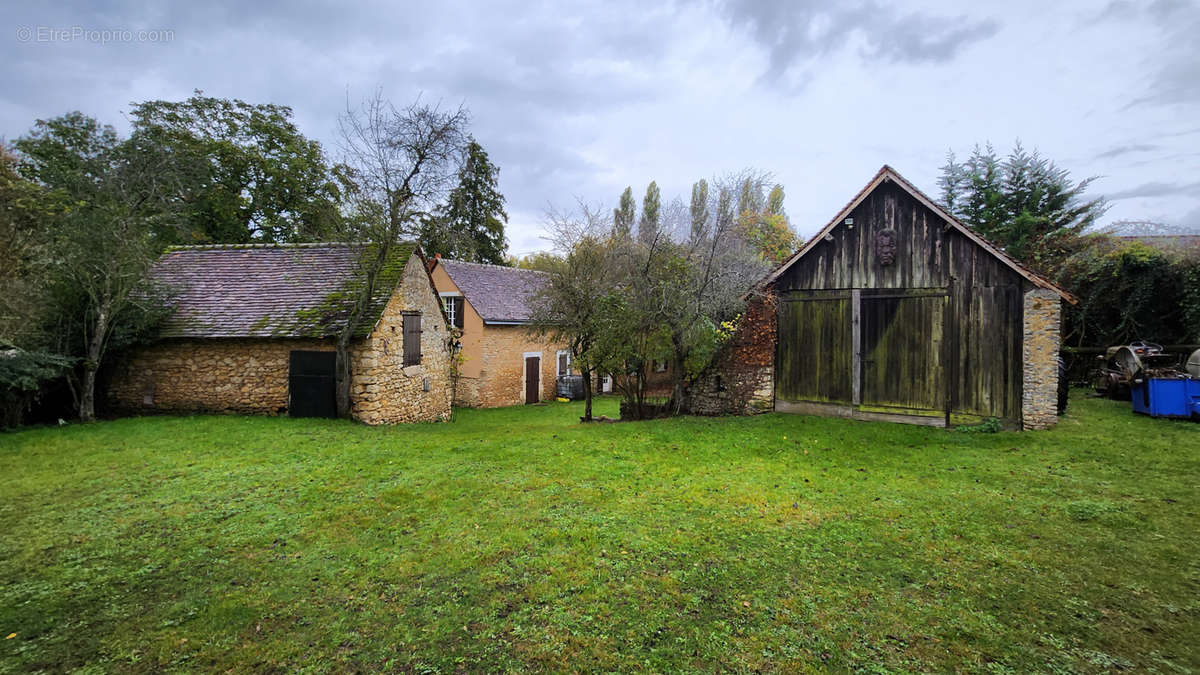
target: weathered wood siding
947 340
815 357
902 368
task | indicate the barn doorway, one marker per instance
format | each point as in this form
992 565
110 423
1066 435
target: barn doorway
533 379
864 353
901 367
311 388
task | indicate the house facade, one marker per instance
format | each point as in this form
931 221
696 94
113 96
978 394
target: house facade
897 311
253 330
502 361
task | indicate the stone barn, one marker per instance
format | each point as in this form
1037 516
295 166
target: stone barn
897 311
253 329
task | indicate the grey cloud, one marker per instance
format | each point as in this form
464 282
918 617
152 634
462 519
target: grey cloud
1125 150
794 32
1177 80
1156 189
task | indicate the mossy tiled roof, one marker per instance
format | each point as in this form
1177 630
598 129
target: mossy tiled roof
273 291
499 294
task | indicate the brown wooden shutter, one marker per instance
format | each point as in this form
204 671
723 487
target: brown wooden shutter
459 309
412 338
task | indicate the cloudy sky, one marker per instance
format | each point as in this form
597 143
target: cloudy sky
578 100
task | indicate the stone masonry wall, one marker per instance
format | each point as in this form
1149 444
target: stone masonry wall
501 380
1039 397
742 379
385 391
235 376
250 376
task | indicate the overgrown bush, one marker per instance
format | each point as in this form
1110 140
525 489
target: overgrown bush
1128 290
23 375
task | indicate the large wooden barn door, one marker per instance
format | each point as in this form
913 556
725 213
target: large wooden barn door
815 347
311 391
903 370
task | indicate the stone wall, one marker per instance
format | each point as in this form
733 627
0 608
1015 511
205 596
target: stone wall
741 380
1039 394
385 391
251 375
235 376
501 368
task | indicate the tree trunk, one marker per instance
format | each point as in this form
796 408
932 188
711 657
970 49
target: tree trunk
679 404
95 349
587 394
342 377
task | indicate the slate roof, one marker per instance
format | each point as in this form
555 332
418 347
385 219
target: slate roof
271 291
500 294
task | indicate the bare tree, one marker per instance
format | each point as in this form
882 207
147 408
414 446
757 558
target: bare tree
569 306
678 287
398 163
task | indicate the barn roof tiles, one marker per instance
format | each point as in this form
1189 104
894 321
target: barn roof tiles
271 291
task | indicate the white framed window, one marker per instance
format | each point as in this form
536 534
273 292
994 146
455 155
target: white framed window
453 304
563 359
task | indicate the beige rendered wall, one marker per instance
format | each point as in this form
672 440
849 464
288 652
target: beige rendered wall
472 326
492 369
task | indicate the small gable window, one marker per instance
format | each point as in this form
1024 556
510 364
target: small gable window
412 338
454 310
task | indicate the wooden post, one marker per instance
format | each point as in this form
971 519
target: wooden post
856 338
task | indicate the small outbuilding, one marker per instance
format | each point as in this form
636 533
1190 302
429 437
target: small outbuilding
253 329
898 311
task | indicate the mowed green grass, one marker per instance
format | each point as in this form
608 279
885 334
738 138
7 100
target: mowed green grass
520 540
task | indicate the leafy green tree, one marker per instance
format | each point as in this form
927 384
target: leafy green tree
624 214
762 221
245 172
775 201
119 200
651 208
541 261
470 225
1024 202
25 206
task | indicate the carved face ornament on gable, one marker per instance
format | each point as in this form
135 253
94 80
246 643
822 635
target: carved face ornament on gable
885 247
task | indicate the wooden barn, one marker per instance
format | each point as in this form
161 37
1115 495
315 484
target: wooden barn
898 311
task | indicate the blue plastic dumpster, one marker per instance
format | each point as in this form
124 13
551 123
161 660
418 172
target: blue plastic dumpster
1167 397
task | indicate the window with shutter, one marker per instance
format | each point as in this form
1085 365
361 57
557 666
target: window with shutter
412 338
453 305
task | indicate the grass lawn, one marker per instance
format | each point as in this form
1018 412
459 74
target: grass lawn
517 539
